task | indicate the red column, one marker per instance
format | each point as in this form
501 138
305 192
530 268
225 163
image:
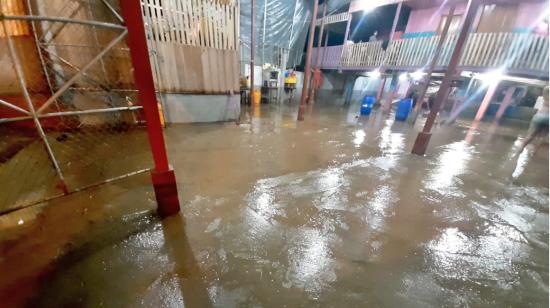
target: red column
164 180
382 70
423 138
307 69
424 89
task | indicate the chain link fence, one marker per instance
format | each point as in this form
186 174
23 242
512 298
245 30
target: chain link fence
69 117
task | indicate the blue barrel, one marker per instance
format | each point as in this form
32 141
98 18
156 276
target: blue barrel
403 109
366 106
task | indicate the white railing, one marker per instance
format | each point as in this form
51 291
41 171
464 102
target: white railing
333 18
513 51
363 54
329 57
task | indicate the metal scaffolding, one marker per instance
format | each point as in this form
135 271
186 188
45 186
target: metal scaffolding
71 118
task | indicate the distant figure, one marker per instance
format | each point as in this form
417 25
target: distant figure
373 37
413 94
539 123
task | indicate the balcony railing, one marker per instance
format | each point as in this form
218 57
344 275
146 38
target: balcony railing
522 53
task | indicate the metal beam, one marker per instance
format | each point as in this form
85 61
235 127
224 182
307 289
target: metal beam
21 79
14 107
112 9
69 82
89 111
99 24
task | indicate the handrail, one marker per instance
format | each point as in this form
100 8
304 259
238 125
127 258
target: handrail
512 51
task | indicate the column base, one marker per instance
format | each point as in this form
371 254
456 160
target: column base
421 143
301 111
166 192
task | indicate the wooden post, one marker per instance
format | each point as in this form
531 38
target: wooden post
307 69
423 138
442 38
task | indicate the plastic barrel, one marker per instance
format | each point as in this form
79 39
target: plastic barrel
366 106
403 109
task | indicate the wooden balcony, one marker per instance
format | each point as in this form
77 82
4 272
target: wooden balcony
517 53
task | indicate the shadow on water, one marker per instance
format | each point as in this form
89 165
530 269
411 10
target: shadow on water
190 279
156 267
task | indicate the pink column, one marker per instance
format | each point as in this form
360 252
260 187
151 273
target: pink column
486 101
505 103
380 91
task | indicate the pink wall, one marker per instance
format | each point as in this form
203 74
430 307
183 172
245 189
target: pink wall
531 14
427 20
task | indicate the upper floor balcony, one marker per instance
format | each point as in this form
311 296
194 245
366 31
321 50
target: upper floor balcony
510 35
524 54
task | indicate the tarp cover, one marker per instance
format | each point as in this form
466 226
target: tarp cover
281 32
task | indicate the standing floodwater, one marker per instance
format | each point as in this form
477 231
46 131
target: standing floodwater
333 211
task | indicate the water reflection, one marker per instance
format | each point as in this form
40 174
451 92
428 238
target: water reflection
390 143
451 163
311 264
359 137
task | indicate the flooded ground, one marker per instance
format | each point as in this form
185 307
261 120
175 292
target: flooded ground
333 211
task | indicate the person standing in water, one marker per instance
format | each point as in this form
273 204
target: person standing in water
539 124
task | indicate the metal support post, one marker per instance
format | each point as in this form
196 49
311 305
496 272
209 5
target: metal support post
252 47
307 69
423 138
346 36
380 92
164 179
435 58
264 20
33 113
325 49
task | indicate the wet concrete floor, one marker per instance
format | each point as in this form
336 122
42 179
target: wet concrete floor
333 211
